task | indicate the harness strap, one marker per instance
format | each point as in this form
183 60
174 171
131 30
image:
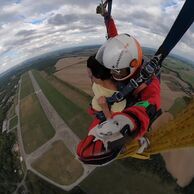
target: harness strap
147 72
153 113
134 133
109 7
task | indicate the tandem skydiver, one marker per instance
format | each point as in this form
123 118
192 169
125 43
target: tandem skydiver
122 55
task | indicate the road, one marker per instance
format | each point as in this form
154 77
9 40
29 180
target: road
62 133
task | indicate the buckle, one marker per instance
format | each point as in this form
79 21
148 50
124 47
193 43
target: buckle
149 68
119 96
134 83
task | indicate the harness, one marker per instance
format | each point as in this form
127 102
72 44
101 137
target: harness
150 69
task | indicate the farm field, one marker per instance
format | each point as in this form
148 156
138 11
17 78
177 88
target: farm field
75 117
35 127
65 168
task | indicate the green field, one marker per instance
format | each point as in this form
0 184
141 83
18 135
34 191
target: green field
35 127
11 111
127 176
177 64
77 96
36 185
188 77
13 122
185 70
75 117
65 170
26 86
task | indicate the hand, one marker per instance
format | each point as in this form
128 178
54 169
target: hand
105 108
101 9
102 101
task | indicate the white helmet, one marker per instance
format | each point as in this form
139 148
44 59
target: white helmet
122 54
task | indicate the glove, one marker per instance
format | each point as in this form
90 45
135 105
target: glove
105 141
101 9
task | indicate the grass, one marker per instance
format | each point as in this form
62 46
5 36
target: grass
188 77
11 111
75 117
121 177
13 122
26 86
65 170
35 127
178 105
185 71
36 185
177 65
77 96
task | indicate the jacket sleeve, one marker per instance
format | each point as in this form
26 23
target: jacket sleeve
110 27
140 112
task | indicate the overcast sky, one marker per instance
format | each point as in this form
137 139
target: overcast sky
31 27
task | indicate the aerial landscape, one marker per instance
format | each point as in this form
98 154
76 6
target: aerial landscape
58 58
45 146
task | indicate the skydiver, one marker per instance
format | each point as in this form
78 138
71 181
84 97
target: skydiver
122 54
102 86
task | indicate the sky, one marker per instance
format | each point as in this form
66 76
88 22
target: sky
29 27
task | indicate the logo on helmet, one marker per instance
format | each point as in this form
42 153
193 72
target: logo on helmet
119 58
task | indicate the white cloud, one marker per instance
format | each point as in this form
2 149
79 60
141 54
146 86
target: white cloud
29 27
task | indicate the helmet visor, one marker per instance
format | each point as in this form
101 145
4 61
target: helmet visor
120 74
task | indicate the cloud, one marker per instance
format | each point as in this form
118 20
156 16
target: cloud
60 19
25 33
29 28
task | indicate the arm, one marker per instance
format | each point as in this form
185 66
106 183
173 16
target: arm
103 104
108 20
110 26
132 123
140 113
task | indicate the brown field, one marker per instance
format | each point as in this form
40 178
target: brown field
66 62
180 163
167 97
75 74
174 86
65 168
163 119
173 78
